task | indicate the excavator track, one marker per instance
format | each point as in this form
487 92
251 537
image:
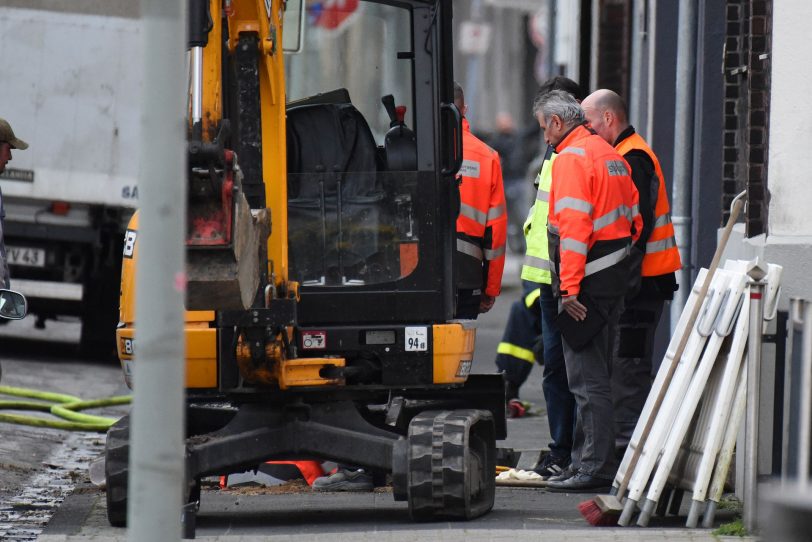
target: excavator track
116 469
451 459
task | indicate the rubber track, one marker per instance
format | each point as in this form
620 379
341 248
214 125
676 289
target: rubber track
117 454
439 451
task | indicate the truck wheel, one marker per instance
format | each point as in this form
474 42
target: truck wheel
116 470
451 464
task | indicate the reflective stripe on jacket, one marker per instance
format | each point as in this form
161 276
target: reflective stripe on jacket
482 222
594 216
662 254
536 266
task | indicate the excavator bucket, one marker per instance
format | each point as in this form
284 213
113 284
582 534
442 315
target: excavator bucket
227 277
225 237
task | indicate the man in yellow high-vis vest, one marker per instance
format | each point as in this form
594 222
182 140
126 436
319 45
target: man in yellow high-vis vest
536 269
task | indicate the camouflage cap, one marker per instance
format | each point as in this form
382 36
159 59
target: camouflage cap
7 135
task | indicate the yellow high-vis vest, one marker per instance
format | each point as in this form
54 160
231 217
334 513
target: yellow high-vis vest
537 265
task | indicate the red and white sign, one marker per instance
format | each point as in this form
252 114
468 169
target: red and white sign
331 14
474 38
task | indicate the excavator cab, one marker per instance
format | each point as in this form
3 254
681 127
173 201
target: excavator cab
322 209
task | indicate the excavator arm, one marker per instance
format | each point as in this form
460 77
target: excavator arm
236 155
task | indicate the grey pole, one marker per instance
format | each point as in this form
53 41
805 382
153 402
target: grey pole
552 69
683 150
805 415
157 466
757 273
472 78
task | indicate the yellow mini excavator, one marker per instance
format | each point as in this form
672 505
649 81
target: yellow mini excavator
322 201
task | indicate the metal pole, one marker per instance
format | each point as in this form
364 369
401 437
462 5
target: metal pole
753 383
683 150
805 418
197 84
652 67
636 96
796 311
552 69
472 79
157 439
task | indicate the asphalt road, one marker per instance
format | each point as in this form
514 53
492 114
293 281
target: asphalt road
40 466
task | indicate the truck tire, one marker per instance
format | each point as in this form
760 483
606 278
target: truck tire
451 464
116 470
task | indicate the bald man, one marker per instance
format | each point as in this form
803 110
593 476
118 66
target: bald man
658 259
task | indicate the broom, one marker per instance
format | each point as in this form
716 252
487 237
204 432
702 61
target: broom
605 510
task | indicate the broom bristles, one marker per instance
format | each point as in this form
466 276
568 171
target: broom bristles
602 511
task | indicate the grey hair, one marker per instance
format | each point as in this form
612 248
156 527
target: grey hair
560 103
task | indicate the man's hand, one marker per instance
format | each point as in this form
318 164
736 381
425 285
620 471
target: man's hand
574 308
486 303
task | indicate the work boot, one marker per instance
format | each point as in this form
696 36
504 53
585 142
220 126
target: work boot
551 466
569 472
344 480
580 482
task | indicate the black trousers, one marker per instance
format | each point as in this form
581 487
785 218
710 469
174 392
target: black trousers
632 363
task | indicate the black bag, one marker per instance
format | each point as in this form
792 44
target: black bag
578 334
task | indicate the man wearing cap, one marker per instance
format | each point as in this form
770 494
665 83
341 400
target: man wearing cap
8 141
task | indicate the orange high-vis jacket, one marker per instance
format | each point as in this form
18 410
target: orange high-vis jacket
662 254
482 222
594 216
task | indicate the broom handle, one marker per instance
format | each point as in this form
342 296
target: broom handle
734 214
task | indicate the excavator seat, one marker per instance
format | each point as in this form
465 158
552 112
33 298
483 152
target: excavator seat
336 214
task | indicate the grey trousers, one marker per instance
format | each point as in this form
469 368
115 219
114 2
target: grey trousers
588 373
632 363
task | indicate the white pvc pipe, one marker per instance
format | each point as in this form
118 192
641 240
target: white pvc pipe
157 427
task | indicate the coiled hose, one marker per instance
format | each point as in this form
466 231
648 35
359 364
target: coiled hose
63 406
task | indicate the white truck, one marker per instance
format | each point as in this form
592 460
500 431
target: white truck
70 87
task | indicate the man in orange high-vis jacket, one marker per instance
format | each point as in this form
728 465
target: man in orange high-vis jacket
632 365
593 221
481 224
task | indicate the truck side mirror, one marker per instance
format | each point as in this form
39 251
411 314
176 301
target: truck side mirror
12 305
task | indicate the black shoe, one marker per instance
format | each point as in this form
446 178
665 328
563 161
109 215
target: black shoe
580 482
568 473
551 466
345 480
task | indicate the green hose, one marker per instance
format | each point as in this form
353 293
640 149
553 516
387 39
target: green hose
61 405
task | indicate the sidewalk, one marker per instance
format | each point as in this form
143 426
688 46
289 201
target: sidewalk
519 515
450 536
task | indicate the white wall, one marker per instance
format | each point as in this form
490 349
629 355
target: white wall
790 140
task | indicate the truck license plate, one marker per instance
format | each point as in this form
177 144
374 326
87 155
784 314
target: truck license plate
29 257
